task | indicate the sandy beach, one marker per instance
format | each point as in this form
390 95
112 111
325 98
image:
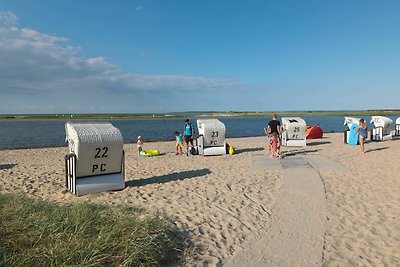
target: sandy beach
231 205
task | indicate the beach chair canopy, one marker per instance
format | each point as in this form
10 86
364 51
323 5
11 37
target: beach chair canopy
350 121
98 148
380 121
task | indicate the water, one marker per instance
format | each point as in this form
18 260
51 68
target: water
51 133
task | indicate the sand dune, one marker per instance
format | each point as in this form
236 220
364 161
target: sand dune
224 201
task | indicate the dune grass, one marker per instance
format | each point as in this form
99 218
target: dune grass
40 233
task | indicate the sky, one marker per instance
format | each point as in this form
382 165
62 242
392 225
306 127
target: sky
147 56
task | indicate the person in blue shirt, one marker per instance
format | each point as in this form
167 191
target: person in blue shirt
188 135
179 146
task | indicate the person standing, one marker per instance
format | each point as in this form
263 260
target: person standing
362 134
275 145
188 134
274 126
178 143
139 144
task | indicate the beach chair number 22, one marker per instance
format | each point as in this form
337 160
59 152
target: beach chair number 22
214 142
295 131
101 153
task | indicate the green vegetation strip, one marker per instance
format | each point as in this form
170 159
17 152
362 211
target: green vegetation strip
394 112
321 113
39 233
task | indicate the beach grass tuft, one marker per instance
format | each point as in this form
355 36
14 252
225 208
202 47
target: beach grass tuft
42 233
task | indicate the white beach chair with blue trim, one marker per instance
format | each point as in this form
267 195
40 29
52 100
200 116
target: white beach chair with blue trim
349 121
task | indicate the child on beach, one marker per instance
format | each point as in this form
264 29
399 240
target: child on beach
139 143
275 145
179 146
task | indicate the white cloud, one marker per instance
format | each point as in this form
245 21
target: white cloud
8 19
35 63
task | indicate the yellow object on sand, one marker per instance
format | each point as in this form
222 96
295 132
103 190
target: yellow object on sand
149 153
231 150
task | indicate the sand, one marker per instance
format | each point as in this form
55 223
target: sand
246 207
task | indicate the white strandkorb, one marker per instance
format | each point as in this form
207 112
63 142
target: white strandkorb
349 121
293 131
95 162
382 128
211 140
397 131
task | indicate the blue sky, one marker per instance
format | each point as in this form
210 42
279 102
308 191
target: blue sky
168 56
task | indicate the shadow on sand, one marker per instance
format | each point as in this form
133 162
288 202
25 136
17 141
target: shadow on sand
7 166
376 149
254 149
299 152
317 143
175 176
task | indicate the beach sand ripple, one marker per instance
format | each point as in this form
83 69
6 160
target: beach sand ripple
222 201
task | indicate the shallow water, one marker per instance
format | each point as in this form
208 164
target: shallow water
51 133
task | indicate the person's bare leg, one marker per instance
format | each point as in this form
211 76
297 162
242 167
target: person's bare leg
278 153
362 144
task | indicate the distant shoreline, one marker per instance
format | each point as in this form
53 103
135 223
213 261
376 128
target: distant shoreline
200 114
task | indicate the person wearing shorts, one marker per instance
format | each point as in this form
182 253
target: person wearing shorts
178 143
188 134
